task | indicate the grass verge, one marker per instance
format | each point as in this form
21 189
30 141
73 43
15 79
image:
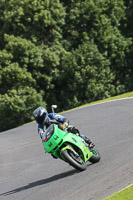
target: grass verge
126 194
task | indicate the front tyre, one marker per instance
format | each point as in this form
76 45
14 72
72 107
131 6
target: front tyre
73 159
95 157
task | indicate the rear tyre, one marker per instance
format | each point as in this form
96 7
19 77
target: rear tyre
73 159
95 157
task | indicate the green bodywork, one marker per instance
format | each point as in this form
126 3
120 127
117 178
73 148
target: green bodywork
60 141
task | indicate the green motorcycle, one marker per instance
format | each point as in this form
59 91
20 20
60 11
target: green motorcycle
69 147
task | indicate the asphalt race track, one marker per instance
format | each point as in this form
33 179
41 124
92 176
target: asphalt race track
26 172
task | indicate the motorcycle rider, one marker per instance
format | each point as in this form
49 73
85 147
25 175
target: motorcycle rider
44 120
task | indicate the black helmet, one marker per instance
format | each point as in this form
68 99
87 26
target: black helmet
40 115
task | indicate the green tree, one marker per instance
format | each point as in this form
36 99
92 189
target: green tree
127 25
13 77
43 64
68 52
127 30
18 87
40 21
99 21
85 76
17 107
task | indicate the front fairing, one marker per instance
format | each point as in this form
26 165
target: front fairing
59 139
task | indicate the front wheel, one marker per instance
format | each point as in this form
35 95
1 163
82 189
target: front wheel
95 157
73 159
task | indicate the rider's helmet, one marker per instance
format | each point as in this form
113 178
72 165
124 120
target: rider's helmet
41 115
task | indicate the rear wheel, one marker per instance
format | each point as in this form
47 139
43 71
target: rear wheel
73 159
95 157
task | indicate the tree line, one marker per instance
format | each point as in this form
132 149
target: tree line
62 52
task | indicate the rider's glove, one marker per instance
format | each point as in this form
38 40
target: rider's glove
63 126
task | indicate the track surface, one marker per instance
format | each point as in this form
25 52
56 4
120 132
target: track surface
26 172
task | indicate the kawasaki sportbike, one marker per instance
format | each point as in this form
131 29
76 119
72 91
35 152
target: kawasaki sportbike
69 147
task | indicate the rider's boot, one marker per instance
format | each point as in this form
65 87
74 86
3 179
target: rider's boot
89 141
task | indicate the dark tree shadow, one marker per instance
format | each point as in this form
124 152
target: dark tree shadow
41 182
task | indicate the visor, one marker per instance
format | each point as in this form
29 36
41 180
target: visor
41 120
